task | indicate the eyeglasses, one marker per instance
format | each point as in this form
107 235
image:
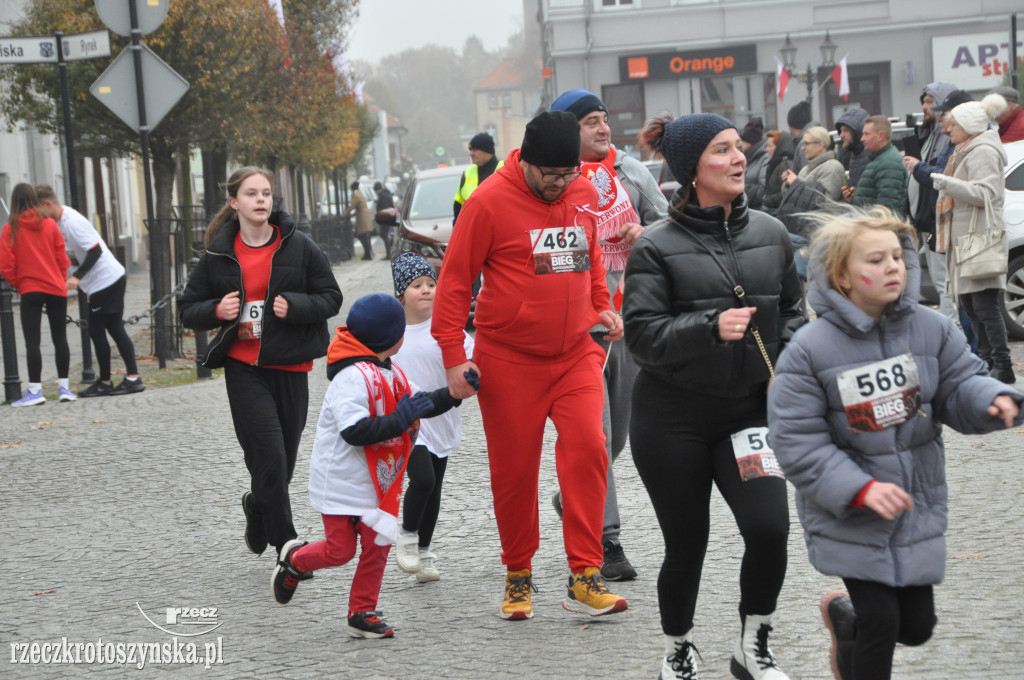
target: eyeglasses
552 177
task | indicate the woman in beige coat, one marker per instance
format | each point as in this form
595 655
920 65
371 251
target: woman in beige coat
974 174
364 223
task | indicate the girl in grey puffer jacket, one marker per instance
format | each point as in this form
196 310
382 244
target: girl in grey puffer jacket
854 416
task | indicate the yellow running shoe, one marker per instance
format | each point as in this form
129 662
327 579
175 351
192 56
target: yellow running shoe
589 594
518 590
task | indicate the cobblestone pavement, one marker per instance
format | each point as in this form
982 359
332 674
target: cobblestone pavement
117 506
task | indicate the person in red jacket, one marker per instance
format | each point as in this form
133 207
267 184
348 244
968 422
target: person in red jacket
1002 104
531 231
34 262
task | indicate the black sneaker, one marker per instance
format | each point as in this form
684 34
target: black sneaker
97 389
368 625
255 532
615 566
128 386
286 577
556 501
839 616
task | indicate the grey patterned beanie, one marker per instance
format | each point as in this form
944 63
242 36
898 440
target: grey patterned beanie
408 267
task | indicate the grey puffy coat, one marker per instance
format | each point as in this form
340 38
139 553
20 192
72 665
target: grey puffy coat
829 463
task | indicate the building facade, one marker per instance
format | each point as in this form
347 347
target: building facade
647 57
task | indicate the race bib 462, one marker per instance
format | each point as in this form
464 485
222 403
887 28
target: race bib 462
558 250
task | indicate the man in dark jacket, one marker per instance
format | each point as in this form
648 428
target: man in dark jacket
935 150
385 200
885 180
852 153
481 152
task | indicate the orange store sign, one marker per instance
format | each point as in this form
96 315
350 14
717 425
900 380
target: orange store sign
692 63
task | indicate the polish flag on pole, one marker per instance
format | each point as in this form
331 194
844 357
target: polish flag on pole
781 79
841 78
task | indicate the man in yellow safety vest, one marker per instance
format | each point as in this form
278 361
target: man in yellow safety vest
481 152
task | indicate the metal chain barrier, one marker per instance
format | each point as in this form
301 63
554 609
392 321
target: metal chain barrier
135 318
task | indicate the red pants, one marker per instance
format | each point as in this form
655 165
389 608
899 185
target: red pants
338 547
515 402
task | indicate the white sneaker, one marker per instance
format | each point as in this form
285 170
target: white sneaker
428 569
680 660
407 552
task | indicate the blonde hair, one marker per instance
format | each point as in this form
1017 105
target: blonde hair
819 134
834 238
226 212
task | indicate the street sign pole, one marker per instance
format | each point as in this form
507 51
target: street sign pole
88 375
156 242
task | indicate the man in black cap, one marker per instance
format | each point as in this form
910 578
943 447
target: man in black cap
628 200
531 230
481 152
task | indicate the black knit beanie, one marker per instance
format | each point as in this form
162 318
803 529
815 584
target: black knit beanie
753 131
799 116
552 140
482 142
686 138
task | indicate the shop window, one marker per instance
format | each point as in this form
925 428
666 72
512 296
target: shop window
740 98
625 104
506 101
609 4
492 101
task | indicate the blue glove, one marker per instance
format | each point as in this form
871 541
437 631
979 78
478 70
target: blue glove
411 409
473 378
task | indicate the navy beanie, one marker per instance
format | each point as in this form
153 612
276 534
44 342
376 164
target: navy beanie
552 140
799 116
579 103
408 267
686 138
482 142
377 321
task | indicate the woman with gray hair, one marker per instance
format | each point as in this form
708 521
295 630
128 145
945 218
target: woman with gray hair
971 197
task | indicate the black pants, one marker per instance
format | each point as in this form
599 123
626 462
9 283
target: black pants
385 233
423 498
681 445
268 407
106 314
367 246
987 320
32 305
885 616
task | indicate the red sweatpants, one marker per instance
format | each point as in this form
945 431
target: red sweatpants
516 400
337 548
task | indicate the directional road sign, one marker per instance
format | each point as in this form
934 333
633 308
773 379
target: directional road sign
42 49
116 88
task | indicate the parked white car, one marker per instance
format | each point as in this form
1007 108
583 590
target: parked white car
1013 214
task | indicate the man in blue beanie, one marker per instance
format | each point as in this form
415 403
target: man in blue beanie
628 199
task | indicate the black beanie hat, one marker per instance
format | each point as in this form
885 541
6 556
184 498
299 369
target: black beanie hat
799 116
753 131
482 142
377 321
686 138
579 102
552 140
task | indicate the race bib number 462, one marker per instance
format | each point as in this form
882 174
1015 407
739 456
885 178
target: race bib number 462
882 394
558 250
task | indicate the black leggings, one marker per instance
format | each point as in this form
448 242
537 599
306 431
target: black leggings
681 445
106 311
32 305
885 616
423 499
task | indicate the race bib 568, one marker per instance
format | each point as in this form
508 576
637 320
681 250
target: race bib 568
882 394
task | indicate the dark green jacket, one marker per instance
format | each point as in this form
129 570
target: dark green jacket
884 180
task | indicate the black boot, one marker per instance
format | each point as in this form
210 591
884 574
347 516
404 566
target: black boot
1003 371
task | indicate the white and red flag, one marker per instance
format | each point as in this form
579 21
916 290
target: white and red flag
842 79
781 79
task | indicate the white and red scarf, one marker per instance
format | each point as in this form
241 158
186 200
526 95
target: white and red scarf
388 459
614 209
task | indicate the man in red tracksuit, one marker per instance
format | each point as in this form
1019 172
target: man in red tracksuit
531 230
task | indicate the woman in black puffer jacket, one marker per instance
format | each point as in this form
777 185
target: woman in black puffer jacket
711 296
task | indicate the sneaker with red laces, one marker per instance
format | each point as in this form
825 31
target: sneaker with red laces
589 594
369 625
286 577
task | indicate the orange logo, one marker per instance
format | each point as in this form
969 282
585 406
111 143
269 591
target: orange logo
637 67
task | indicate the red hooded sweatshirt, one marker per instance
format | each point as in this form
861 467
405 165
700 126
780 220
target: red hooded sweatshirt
544 283
37 261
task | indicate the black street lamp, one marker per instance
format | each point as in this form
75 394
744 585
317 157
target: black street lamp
807 77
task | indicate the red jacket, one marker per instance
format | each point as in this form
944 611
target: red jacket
527 310
37 261
1012 129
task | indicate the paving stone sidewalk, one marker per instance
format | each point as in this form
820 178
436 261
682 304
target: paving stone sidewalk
114 508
